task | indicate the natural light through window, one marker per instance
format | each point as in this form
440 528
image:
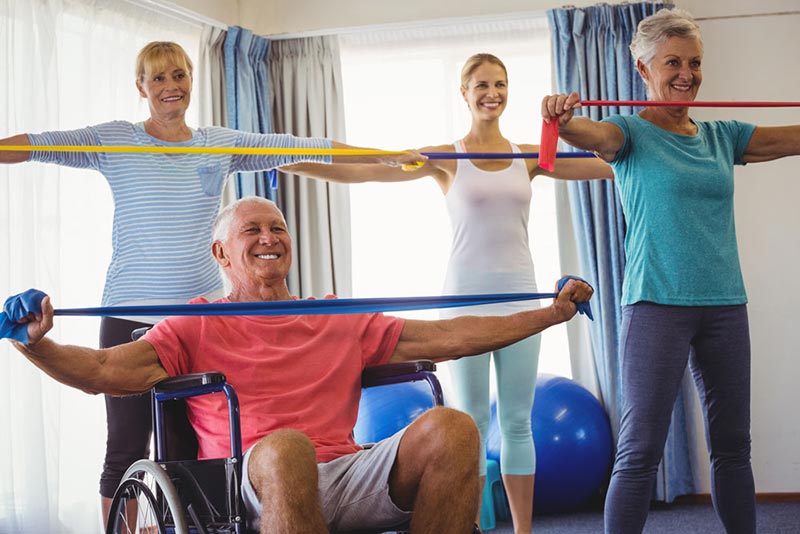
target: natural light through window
64 65
401 90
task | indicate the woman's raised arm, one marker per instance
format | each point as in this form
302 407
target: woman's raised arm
15 156
602 138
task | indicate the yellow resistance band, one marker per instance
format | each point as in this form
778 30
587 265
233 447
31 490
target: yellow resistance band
206 150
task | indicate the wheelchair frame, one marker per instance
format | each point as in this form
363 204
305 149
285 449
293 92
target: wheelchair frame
185 496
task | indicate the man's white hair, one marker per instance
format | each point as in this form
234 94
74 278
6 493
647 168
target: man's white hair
222 225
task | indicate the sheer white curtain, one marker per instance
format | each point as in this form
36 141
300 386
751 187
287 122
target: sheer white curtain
63 64
401 90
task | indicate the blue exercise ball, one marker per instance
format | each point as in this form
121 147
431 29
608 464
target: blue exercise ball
573 441
384 410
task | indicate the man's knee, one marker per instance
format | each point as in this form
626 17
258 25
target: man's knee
439 449
446 432
282 469
280 455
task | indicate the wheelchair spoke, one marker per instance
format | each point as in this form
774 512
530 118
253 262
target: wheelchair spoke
135 510
146 503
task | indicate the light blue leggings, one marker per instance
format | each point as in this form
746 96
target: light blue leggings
515 369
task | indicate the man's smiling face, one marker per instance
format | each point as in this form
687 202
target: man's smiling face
258 249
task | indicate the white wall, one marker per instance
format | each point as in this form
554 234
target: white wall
267 17
727 8
292 16
224 11
747 58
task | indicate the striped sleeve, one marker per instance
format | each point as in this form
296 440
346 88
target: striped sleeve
257 163
83 137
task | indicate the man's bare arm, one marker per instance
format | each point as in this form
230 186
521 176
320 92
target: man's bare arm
122 370
467 336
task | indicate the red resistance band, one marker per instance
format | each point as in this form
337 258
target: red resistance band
549 141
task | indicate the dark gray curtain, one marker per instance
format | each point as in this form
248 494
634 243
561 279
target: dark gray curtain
306 88
210 92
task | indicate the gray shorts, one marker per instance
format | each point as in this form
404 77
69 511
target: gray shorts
353 490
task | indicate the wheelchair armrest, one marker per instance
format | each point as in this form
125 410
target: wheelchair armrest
139 332
388 373
189 381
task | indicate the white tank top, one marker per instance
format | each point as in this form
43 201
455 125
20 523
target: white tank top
490 253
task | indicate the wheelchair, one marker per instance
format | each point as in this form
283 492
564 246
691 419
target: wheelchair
178 494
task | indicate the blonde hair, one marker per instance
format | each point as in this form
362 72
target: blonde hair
476 61
654 30
155 57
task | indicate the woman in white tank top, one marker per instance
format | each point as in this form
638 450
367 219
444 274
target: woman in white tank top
488 202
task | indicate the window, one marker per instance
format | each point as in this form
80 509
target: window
64 65
401 90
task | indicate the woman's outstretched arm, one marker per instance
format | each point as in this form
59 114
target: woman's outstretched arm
17 156
602 138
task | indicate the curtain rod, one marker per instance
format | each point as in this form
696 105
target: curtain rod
750 15
171 9
395 26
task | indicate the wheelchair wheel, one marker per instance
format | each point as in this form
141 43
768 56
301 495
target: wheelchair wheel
146 502
135 510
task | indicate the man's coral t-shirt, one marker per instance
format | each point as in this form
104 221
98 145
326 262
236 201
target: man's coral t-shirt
301 372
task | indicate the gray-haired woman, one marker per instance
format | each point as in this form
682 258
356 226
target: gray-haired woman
683 285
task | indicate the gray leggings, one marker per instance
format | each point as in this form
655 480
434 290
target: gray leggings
654 344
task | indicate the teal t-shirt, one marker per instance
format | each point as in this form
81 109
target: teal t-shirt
677 196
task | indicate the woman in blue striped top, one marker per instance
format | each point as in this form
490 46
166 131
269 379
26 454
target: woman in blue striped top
164 208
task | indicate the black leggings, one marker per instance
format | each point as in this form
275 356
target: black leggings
128 418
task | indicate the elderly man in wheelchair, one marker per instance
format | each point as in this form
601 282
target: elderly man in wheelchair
298 379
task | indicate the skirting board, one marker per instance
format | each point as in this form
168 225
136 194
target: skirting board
705 498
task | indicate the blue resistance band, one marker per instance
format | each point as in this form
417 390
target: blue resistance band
501 155
272 174
17 307
30 301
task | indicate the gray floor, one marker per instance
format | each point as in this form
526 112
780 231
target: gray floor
773 518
